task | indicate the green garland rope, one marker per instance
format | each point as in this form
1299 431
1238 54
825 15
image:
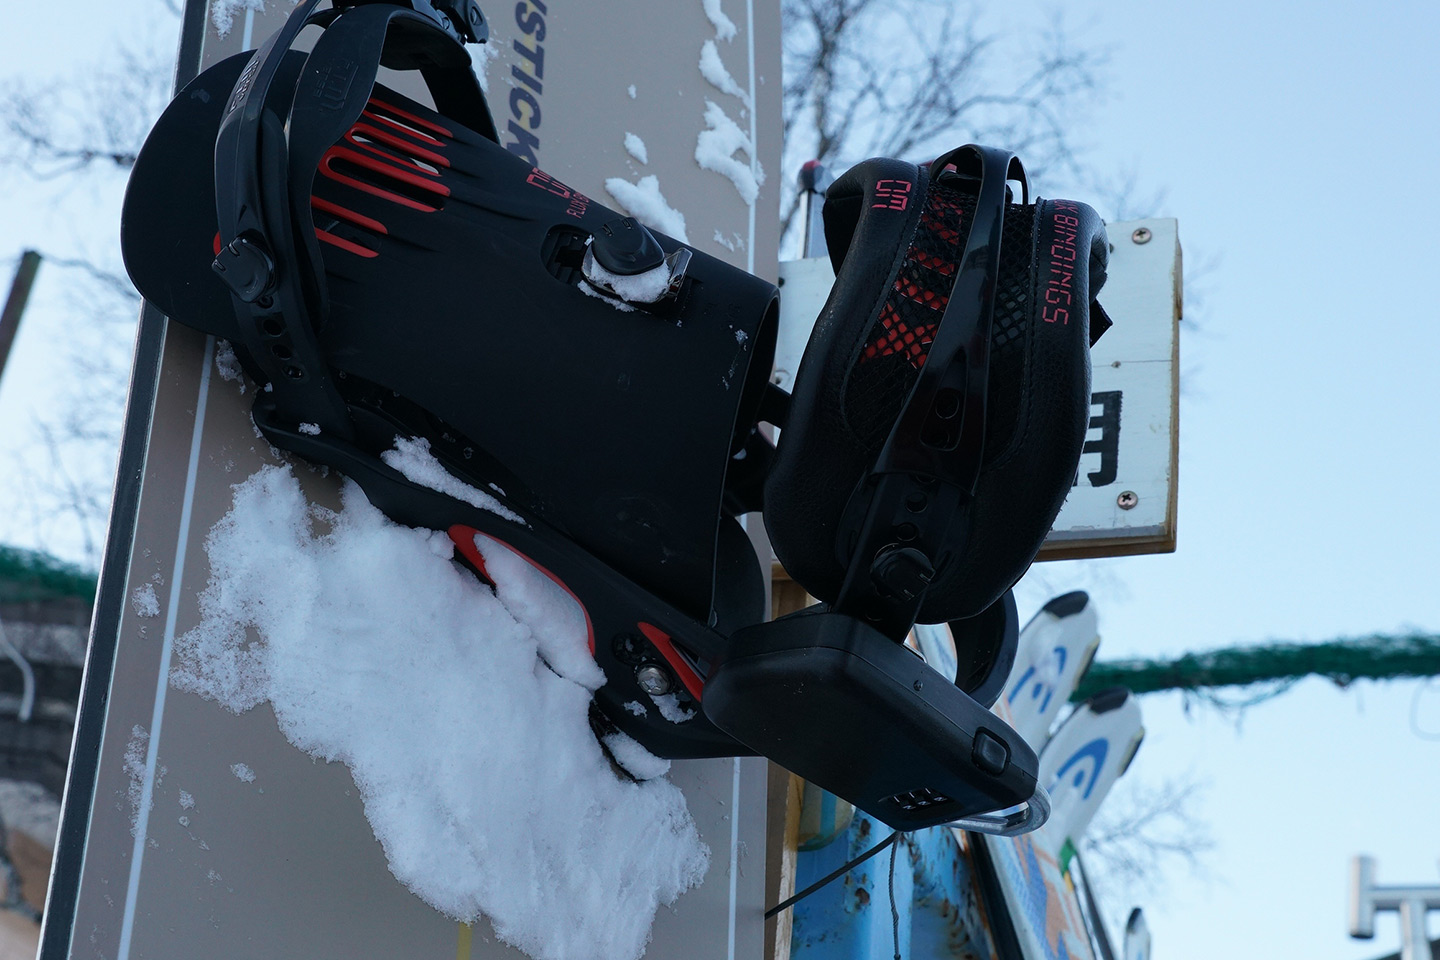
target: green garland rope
1376 657
27 575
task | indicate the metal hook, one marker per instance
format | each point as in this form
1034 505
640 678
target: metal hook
1031 816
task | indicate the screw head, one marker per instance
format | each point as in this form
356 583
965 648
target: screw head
1141 235
1127 500
653 679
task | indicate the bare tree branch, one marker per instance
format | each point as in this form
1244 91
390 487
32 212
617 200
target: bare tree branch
909 78
1142 832
100 122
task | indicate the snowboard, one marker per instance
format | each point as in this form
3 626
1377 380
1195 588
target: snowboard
190 831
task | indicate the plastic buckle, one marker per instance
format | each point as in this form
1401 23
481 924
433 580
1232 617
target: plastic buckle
465 18
246 267
462 19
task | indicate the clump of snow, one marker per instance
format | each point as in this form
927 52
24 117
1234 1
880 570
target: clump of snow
134 761
461 713
712 68
671 709
590 291
310 429
636 147
715 149
555 619
144 602
187 802
242 772
724 26
480 56
418 465
637 761
644 201
644 287
228 365
222 12
184 821
635 707
631 90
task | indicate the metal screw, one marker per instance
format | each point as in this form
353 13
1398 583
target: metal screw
653 679
1127 500
1141 235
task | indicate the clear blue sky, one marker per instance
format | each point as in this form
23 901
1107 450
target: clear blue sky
1297 144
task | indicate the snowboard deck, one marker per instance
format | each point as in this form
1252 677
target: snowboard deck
164 850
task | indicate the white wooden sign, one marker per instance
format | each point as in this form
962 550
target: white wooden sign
1123 501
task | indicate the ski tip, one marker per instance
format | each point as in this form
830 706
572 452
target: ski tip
1068 604
1111 698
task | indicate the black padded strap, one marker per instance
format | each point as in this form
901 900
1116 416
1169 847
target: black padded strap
935 450
263 174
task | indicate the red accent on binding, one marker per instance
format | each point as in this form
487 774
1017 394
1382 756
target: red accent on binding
359 219
347 245
399 173
403 146
408 131
464 538
892 194
411 118
897 337
662 642
217 244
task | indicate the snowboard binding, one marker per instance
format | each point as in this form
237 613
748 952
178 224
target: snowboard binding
388 270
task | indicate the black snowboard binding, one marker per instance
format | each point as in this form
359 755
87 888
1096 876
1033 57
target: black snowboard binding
386 269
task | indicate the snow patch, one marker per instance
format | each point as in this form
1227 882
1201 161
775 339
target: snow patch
242 772
713 70
556 621
644 201
461 713
144 602
636 147
222 13
670 708
646 287
187 802
227 364
134 760
480 56
635 707
418 465
635 759
590 291
724 26
310 429
631 90
715 149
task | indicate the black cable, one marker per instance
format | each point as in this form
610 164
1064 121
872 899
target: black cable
842 870
894 910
